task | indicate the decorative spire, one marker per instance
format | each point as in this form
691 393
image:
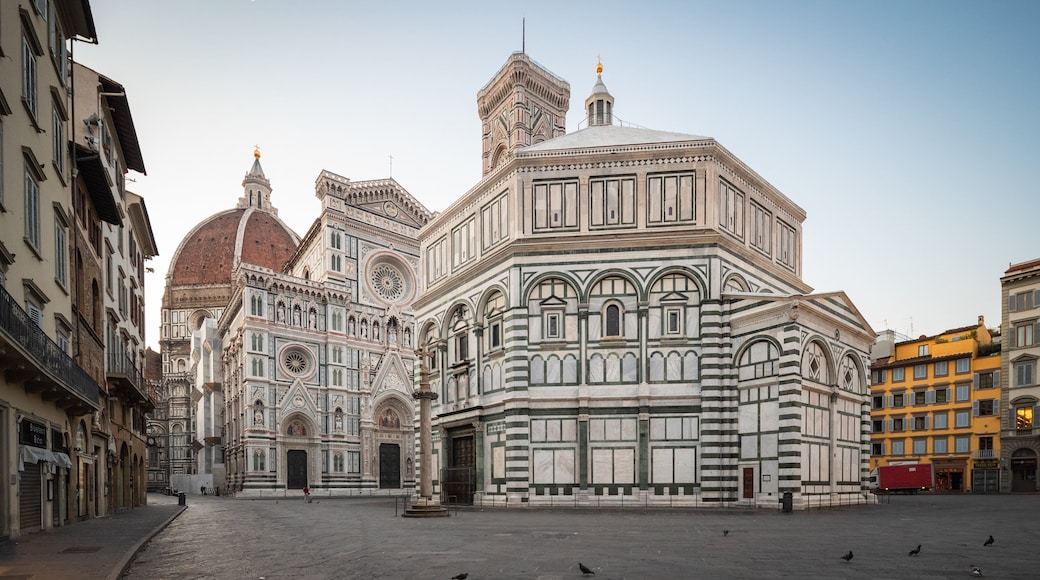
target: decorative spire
256 152
256 189
600 104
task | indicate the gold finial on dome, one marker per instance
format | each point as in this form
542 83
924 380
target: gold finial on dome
599 65
256 152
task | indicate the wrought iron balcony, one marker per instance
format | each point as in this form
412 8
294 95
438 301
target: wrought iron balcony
30 357
125 379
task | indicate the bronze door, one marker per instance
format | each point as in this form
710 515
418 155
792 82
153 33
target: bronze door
296 469
389 465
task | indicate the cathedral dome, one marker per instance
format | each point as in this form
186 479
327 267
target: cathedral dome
251 233
211 250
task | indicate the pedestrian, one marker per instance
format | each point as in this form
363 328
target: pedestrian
204 490
306 494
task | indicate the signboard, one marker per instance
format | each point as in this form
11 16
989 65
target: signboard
34 434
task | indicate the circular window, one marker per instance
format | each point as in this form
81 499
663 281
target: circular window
296 361
387 282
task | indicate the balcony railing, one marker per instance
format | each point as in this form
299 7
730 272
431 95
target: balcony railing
984 454
118 366
29 339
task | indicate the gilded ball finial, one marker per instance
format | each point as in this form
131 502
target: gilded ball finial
599 65
256 152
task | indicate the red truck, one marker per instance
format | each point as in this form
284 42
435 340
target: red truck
902 478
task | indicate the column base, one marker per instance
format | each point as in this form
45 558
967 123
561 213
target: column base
426 508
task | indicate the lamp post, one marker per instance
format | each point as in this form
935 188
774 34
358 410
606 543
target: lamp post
426 506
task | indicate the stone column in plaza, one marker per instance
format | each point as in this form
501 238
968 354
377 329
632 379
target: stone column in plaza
426 506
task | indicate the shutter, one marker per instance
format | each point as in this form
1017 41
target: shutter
883 448
996 407
888 402
889 427
1036 333
927 423
1013 338
996 378
974 408
929 396
948 395
1011 303
1036 297
975 381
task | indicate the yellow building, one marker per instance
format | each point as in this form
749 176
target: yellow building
936 399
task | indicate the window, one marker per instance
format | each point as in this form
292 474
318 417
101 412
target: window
939 445
877 426
940 421
962 419
898 374
877 402
922 350
673 321
336 263
1024 373
61 253
897 448
494 222
556 205
878 377
942 368
495 335
919 397
877 449
32 210
29 77
436 260
731 209
613 320
761 237
787 252
898 400
1 165
336 240
463 242
58 141
1021 301
1024 418
670 198
963 366
898 424
942 395
612 202
921 423
553 329
1022 335
961 444
59 49
987 380
920 446
985 408
963 393
920 371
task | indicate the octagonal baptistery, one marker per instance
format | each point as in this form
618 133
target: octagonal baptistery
198 283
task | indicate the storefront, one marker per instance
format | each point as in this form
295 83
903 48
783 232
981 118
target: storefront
949 476
42 475
985 476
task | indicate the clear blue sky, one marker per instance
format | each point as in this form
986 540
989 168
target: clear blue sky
908 130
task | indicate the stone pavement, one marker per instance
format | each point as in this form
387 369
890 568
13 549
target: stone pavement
217 538
96 549
365 537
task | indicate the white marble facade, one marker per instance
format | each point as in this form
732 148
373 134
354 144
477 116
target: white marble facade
619 312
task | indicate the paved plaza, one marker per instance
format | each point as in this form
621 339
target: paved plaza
363 538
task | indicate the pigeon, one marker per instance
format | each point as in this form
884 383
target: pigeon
462 576
975 571
915 551
848 556
725 532
989 541
585 569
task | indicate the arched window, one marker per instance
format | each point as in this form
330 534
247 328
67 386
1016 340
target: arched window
613 320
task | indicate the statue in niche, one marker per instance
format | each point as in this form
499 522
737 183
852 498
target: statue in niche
297 316
392 333
258 416
281 312
313 319
338 425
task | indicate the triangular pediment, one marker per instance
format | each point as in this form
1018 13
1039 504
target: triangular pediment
393 375
297 400
675 297
553 301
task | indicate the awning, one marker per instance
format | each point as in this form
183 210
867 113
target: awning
62 460
29 454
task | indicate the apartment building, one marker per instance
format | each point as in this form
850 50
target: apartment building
936 399
1020 391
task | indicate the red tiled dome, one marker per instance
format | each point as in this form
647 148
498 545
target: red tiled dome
207 254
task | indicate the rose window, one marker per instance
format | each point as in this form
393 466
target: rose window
295 362
387 282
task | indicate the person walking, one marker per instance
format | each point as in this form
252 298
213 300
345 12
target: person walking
306 494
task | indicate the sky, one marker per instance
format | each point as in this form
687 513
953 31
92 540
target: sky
908 130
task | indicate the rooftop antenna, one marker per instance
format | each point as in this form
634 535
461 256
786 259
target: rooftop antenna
523 35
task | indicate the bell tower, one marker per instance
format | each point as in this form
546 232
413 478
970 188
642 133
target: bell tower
524 104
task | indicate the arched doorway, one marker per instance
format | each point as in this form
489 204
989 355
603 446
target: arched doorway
1023 470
